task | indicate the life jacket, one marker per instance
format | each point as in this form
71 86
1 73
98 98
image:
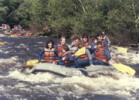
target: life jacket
83 57
59 49
49 55
86 45
100 54
67 62
76 45
103 45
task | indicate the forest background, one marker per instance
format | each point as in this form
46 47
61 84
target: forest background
118 18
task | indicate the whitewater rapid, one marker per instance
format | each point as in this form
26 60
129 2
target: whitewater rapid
16 85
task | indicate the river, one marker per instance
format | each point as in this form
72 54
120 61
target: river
16 85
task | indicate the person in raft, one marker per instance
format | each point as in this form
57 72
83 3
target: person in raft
74 44
105 37
67 58
99 38
85 41
83 60
49 53
101 55
59 46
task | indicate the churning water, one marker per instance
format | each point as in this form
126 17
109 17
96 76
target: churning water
16 85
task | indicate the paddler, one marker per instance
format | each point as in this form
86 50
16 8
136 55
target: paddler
67 59
84 59
59 46
49 53
101 55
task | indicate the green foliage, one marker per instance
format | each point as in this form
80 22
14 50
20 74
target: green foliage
73 16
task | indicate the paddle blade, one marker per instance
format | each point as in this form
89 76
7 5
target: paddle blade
124 68
2 43
80 52
31 63
121 49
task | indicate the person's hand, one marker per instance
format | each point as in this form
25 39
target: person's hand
44 49
95 41
63 58
54 62
95 47
105 61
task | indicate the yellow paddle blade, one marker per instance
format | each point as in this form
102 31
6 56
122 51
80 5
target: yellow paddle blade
2 43
121 49
80 52
124 68
31 63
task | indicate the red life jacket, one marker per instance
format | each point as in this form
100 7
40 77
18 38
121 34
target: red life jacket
99 54
49 55
59 49
76 45
86 45
83 57
103 45
67 63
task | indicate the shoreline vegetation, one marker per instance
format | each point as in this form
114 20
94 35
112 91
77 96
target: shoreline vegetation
119 19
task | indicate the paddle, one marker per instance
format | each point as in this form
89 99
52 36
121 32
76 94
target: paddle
31 63
124 68
121 49
2 43
121 67
80 52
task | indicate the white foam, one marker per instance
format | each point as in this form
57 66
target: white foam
9 60
105 85
39 77
101 85
124 85
129 57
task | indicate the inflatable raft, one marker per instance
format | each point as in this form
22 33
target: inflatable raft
68 72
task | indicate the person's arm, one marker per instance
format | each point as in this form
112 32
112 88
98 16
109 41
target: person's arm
106 44
40 55
108 55
92 46
56 53
72 44
108 40
89 56
71 58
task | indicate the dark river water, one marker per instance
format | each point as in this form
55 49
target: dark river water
16 85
